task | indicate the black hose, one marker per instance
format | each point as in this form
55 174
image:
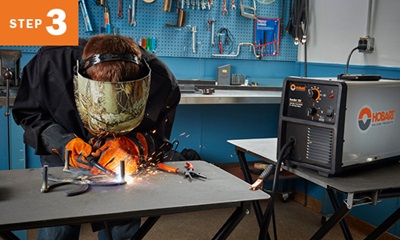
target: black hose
269 212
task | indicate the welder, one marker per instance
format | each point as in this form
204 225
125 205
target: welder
106 89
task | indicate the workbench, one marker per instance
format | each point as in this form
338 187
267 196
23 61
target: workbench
364 186
157 193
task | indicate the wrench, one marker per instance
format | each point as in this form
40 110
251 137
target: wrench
203 4
133 14
224 10
120 8
233 7
210 4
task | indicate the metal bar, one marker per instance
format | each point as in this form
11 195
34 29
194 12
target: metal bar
392 219
8 236
145 228
247 176
339 214
232 222
343 223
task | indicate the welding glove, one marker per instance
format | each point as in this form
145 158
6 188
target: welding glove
68 146
113 151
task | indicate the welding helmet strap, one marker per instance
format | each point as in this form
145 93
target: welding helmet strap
107 57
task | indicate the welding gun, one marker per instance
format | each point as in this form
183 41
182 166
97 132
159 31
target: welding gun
85 14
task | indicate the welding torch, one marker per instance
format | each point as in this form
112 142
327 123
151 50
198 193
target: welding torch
85 14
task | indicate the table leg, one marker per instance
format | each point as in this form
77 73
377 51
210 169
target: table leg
233 221
8 236
343 223
392 219
339 214
145 228
247 176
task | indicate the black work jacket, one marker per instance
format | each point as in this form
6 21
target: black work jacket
45 97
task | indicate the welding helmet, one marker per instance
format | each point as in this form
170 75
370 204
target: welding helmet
111 108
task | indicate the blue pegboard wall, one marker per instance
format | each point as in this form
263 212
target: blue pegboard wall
177 41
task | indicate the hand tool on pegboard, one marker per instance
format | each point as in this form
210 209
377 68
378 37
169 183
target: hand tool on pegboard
233 7
247 11
224 10
85 15
180 21
132 14
120 4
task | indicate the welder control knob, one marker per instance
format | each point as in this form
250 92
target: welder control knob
314 93
329 112
311 111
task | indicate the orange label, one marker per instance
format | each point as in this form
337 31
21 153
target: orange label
39 22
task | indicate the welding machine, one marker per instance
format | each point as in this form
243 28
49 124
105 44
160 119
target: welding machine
339 125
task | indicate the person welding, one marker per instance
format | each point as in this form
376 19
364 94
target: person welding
98 102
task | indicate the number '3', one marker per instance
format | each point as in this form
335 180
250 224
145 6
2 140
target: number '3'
58 16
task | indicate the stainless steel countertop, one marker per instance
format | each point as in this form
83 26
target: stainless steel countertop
3 101
233 97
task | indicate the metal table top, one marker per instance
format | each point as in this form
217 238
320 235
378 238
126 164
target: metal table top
380 177
23 206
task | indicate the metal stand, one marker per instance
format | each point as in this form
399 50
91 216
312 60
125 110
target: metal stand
247 176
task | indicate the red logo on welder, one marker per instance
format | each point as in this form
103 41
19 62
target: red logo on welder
364 118
368 118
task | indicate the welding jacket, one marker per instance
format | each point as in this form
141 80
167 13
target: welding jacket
46 97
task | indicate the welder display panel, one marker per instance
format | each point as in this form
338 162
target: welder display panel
311 101
371 129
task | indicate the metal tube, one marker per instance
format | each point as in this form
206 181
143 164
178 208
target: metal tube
194 39
212 33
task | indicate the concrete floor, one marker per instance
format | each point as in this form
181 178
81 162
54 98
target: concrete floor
294 222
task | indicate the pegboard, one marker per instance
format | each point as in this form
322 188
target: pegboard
177 41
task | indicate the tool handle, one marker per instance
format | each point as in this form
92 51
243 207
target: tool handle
167 168
85 14
189 166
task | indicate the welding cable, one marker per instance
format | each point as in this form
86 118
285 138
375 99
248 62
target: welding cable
269 212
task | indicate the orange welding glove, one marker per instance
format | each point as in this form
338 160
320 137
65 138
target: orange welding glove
116 150
77 151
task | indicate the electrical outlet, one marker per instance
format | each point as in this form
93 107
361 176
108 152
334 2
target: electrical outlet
366 44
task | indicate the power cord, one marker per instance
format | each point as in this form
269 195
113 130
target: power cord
269 212
348 58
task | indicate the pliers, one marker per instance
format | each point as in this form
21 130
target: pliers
189 173
83 181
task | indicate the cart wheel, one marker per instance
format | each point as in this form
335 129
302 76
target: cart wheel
285 197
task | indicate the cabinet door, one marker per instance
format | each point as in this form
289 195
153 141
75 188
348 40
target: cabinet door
17 147
4 146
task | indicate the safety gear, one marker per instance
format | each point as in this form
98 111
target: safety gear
46 82
116 150
77 151
67 145
111 109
